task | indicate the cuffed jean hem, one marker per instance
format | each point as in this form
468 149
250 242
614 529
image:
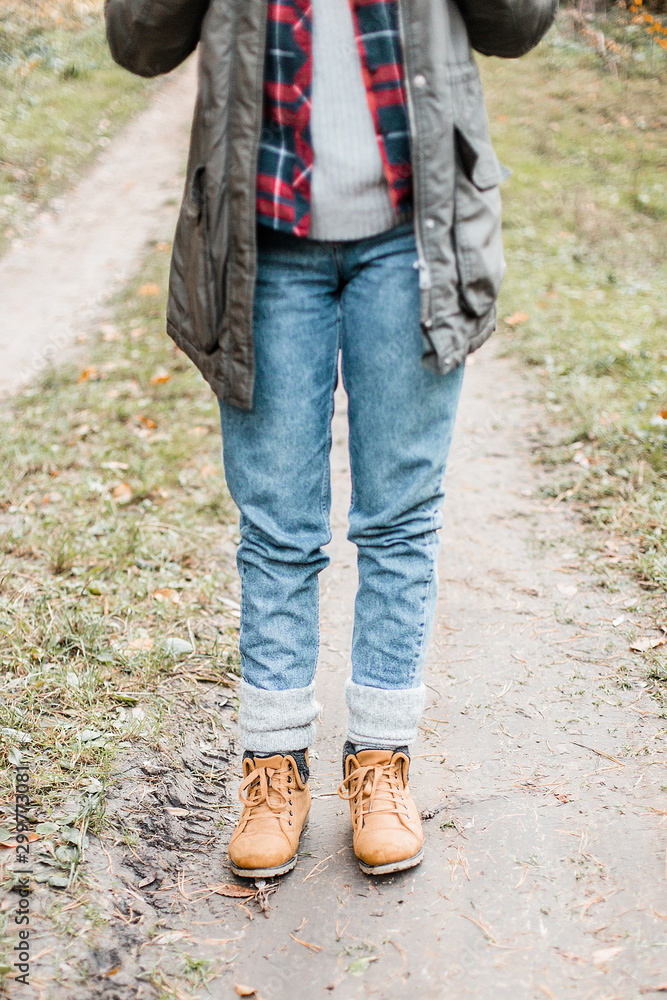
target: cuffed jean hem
383 717
277 720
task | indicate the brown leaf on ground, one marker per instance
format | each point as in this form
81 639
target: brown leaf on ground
147 881
146 421
236 891
167 594
122 493
244 991
31 837
88 373
646 642
159 378
141 644
603 955
516 318
109 332
150 288
208 470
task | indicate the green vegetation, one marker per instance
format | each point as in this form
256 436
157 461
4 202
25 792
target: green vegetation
586 289
61 100
113 563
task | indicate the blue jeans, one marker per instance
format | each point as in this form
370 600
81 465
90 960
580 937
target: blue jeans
314 301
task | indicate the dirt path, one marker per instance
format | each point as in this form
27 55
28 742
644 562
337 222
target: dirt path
89 243
540 763
550 867
541 760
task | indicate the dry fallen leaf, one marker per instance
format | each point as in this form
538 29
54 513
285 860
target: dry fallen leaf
32 836
147 881
603 955
120 466
244 991
567 589
208 470
231 889
110 972
141 644
516 318
159 378
177 812
88 373
122 493
149 289
146 421
163 247
167 594
647 642
109 332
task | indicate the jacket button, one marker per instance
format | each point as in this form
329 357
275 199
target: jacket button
420 80
430 223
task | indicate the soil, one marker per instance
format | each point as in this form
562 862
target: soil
88 243
539 767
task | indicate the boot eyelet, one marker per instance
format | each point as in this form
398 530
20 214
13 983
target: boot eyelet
289 822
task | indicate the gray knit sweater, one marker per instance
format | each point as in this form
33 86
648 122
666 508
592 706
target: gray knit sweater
349 193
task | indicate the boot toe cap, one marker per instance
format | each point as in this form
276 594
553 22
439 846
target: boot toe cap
398 847
260 852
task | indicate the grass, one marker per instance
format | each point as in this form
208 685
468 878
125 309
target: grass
585 297
61 100
113 518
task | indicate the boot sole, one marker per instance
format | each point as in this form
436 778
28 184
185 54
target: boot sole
264 872
393 866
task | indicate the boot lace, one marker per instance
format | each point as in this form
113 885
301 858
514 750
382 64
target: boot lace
266 786
376 788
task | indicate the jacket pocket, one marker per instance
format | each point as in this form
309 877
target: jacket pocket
477 232
197 265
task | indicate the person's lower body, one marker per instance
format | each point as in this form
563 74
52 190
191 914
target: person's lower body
316 302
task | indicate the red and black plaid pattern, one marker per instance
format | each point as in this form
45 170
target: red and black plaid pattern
285 159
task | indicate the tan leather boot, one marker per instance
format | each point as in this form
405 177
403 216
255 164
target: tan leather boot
387 831
276 803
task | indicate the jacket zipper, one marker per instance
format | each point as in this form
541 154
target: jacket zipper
424 270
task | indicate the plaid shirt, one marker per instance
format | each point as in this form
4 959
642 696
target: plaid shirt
285 159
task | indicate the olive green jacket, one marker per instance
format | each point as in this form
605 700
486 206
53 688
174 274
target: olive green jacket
455 170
